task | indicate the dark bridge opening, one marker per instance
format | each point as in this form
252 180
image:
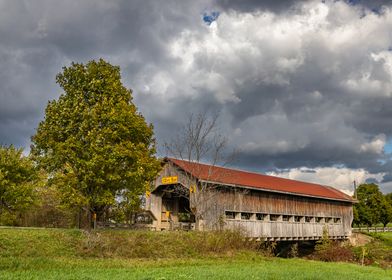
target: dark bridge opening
176 212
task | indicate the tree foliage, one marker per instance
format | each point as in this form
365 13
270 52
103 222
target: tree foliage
93 141
388 198
17 175
47 210
371 205
386 210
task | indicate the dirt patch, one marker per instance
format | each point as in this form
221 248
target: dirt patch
359 239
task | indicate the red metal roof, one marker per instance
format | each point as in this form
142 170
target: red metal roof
241 178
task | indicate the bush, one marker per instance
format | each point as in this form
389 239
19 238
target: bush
332 251
335 252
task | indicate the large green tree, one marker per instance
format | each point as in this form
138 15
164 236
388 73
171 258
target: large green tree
370 204
17 176
93 141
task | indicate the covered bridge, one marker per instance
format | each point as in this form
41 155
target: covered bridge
192 195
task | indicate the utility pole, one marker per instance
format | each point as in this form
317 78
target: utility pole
355 189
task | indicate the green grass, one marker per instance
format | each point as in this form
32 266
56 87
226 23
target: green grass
118 243
26 242
240 267
72 254
386 237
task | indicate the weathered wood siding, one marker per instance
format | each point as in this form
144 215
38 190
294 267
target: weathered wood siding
252 202
286 230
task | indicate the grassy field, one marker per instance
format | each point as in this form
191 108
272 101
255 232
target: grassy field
385 236
72 254
239 267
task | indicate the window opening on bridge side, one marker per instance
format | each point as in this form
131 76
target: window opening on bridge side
230 215
245 216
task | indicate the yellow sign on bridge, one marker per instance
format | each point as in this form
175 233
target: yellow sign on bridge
169 180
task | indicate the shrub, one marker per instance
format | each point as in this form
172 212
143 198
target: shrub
293 252
268 248
335 252
332 251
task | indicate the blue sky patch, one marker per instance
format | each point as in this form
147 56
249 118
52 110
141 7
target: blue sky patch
210 17
388 147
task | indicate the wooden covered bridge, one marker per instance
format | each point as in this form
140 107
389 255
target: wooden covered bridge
198 196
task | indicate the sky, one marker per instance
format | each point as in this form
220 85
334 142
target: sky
303 88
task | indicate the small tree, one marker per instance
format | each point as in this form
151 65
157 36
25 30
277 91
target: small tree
199 141
370 204
93 141
324 243
17 176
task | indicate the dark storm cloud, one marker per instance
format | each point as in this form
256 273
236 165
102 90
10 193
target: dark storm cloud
297 83
249 6
374 5
38 38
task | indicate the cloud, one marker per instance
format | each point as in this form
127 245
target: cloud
250 6
301 85
342 178
374 146
283 6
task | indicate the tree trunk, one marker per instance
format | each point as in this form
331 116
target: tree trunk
89 219
196 223
78 218
199 223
